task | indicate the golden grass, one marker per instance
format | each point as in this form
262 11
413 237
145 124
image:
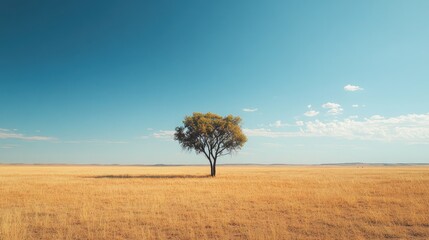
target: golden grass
242 202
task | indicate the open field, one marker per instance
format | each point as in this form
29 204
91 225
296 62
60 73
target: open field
242 202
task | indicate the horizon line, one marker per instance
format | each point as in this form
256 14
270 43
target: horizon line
224 164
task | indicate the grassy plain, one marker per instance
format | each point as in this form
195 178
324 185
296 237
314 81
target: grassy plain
242 202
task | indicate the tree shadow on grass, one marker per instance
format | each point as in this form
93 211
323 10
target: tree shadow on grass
151 176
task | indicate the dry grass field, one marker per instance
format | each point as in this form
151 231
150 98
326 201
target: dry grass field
242 202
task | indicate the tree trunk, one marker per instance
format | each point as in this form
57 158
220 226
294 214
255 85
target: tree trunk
213 173
214 170
211 167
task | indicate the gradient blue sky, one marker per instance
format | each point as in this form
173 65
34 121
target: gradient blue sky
314 81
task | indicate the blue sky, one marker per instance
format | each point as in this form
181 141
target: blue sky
314 81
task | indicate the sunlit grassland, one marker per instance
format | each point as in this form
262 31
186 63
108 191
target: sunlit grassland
242 202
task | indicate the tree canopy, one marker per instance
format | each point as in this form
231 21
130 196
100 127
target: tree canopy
212 135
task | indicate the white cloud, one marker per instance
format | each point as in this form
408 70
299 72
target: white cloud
331 105
277 124
311 113
299 123
164 134
264 132
409 128
352 88
355 105
309 106
8 134
376 117
418 143
334 108
250 109
95 141
412 127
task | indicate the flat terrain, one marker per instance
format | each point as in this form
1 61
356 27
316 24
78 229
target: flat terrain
242 202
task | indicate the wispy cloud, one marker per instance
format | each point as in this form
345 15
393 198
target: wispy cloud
412 127
352 88
409 128
8 134
7 146
164 134
265 132
311 113
95 141
277 124
334 108
299 123
418 143
355 105
250 109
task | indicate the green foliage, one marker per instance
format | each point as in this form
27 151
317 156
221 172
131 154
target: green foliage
211 134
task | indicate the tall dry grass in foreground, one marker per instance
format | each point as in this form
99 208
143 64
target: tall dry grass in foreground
86 202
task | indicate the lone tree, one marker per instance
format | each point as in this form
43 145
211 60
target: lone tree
212 135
